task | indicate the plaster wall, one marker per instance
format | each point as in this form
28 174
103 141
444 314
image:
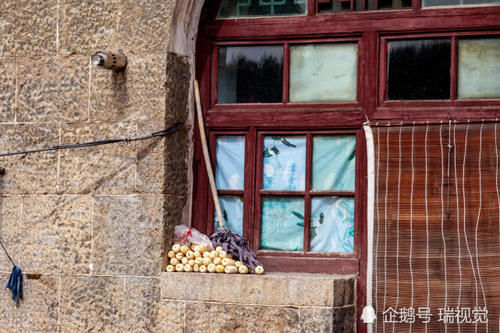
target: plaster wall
89 227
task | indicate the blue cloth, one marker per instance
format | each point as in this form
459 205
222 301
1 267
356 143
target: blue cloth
15 284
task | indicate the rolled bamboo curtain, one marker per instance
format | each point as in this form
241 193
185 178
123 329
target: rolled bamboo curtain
436 229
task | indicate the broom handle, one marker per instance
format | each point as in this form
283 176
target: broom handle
206 156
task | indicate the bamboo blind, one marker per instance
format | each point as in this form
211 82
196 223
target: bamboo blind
436 230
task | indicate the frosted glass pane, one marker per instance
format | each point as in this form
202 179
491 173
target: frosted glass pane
332 224
232 212
479 68
249 8
323 72
334 161
230 168
284 163
282 224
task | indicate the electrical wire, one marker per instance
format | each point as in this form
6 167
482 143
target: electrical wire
171 129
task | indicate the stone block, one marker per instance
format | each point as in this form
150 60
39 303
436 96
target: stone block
7 25
7 87
142 308
343 290
316 320
31 173
53 89
145 25
344 319
268 289
7 306
87 26
91 304
150 173
171 317
10 228
38 311
107 170
135 94
128 235
57 234
36 28
178 86
176 162
210 317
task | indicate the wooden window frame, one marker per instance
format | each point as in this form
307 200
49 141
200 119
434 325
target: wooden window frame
287 261
372 28
285 104
453 101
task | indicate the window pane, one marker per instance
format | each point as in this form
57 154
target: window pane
419 69
284 163
250 74
232 212
337 5
332 224
248 8
479 68
433 3
282 224
393 4
230 168
334 161
323 72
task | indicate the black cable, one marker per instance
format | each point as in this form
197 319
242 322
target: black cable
165 132
7 253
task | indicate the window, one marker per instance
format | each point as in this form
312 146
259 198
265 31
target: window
292 72
460 67
286 87
434 3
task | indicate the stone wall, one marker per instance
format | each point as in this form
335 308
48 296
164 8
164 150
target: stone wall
312 303
89 226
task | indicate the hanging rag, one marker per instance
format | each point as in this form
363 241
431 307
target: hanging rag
15 284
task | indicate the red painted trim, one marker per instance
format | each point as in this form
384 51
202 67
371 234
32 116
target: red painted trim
286 73
453 68
258 198
311 265
317 119
307 197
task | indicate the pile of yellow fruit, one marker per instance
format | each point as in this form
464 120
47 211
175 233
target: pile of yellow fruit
199 258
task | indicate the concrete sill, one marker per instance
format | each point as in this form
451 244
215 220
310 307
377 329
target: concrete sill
278 289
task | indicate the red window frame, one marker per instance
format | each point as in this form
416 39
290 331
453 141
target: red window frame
285 104
288 261
372 28
453 101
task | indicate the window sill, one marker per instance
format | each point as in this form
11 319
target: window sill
285 289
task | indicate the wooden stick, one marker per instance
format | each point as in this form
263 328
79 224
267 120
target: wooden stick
206 155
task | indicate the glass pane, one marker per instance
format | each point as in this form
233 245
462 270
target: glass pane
389 4
232 212
323 72
433 3
282 224
284 163
479 68
419 69
250 74
248 8
332 224
334 161
337 5
230 168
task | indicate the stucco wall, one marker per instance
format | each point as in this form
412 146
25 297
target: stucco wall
89 226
